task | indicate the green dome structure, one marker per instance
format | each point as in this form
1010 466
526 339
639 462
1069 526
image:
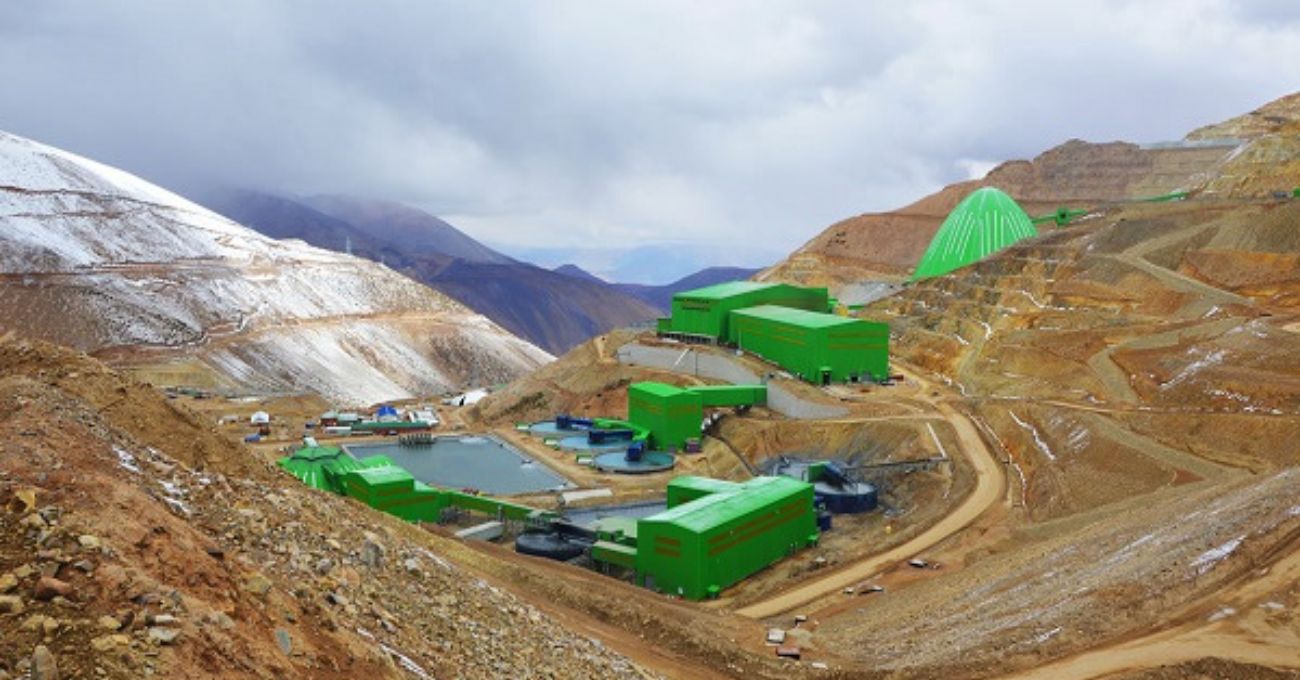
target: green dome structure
984 222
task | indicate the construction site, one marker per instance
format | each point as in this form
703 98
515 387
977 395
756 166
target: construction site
1060 445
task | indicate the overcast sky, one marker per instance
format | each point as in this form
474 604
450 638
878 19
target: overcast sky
742 127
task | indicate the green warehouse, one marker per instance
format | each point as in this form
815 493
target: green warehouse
716 533
674 414
819 348
703 312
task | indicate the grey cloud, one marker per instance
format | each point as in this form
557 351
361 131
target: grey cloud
579 124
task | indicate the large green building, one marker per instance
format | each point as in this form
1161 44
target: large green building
819 348
703 312
714 534
674 414
787 325
984 222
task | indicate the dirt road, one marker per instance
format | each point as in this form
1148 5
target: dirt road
989 484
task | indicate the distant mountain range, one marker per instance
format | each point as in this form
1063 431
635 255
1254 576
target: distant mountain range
553 310
661 297
650 264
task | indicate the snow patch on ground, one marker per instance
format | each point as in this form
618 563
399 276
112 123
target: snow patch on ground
1206 560
1048 635
1207 360
1033 431
126 460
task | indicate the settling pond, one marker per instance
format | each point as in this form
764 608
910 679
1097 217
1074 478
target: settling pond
482 463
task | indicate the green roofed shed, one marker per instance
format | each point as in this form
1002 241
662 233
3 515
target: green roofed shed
984 222
308 465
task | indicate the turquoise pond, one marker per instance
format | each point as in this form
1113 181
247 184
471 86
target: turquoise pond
468 462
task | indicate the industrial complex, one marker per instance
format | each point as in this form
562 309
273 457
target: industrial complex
787 325
712 534
709 534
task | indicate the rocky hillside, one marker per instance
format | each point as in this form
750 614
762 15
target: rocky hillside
135 543
1252 156
104 262
550 309
1162 328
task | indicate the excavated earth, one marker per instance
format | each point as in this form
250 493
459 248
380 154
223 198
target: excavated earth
1133 378
1138 374
135 543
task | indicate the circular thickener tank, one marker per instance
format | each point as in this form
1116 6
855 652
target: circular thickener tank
548 544
651 461
846 500
548 428
582 443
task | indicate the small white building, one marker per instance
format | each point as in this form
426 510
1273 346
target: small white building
423 414
259 418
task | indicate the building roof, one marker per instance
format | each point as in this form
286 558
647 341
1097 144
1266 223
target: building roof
707 512
310 463
658 389
705 484
799 317
384 475
984 222
310 467
627 525
726 290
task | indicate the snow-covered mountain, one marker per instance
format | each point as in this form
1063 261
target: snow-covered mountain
103 261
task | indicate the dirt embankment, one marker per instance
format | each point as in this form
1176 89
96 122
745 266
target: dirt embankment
128 550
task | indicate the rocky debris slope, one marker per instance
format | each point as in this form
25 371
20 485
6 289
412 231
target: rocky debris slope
102 261
1126 570
120 558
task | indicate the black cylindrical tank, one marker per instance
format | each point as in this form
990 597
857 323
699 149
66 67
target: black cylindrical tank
548 544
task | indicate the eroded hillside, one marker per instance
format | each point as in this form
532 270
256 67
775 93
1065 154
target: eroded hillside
1250 157
99 260
135 543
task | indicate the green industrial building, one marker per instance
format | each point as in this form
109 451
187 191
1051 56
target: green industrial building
324 467
704 312
383 485
713 534
673 414
787 325
984 222
819 348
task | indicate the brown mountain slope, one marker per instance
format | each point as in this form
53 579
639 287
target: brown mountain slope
1251 156
176 563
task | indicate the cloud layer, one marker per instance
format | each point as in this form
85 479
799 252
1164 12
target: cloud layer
733 127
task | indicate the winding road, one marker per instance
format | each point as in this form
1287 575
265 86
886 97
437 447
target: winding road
990 484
